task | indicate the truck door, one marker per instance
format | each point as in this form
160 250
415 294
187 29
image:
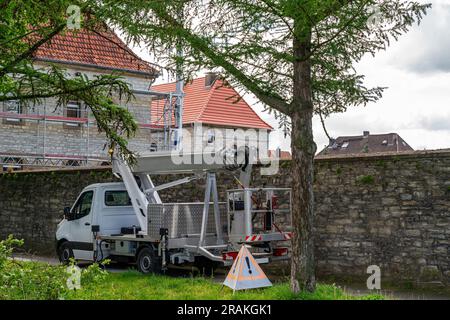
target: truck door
82 241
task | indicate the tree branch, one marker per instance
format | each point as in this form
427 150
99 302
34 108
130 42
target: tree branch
273 100
30 50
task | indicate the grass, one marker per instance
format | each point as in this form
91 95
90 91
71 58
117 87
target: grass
132 285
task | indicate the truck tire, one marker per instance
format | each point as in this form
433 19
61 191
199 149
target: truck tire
147 261
65 253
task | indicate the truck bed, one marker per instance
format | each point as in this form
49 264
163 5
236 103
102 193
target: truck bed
183 220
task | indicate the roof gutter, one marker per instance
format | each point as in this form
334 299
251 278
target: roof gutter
95 66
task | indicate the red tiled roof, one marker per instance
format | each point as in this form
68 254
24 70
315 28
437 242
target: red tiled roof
284 155
215 105
100 48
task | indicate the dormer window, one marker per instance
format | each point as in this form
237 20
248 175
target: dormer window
345 144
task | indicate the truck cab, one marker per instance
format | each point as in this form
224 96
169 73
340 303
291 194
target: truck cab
105 206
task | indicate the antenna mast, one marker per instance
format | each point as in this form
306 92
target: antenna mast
178 138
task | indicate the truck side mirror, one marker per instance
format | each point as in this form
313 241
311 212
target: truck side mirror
67 213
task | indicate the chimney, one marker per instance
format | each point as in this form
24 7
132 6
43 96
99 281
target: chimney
331 141
210 78
366 134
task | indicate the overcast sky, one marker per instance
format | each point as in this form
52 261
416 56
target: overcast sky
416 105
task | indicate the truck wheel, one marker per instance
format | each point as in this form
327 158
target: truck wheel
148 262
65 253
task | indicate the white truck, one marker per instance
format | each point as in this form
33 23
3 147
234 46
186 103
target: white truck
127 221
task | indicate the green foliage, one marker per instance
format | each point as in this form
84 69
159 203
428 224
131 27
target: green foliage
6 248
381 164
373 296
21 280
94 273
369 179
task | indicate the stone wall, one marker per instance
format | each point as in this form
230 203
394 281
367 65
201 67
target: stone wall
389 210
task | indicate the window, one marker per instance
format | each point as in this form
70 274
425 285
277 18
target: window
73 110
83 206
13 107
117 199
345 144
211 136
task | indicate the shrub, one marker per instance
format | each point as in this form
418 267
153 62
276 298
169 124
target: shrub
21 280
6 249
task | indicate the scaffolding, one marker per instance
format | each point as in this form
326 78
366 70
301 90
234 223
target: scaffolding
162 133
167 122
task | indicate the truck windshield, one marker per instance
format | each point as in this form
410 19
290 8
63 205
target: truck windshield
83 206
117 199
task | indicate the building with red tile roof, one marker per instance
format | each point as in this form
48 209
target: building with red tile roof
47 134
214 115
101 49
211 103
280 154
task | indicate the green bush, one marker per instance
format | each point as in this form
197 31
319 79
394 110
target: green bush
6 249
21 280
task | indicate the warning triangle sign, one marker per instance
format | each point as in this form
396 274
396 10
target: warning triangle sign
245 273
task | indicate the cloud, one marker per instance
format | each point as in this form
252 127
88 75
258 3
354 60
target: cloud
425 49
434 123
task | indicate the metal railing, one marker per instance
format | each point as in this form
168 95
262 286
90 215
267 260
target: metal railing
258 210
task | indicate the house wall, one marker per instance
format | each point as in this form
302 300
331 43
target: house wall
56 138
195 137
387 210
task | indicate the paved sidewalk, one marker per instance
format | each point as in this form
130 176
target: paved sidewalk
29 257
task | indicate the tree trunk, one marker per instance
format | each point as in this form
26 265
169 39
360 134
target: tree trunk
303 150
